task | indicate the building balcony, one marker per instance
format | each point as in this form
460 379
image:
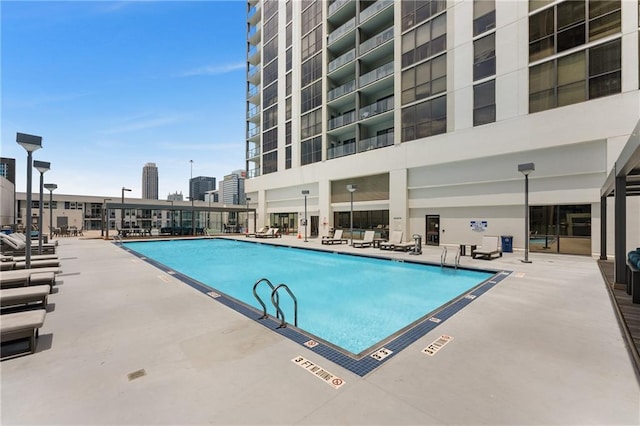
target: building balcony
253 173
253 152
337 5
253 91
376 41
347 148
376 108
341 90
252 132
253 55
341 60
253 35
342 120
374 9
375 142
375 75
253 111
342 30
254 14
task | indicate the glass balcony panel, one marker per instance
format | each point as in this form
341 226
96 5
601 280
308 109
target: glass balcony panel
336 5
253 173
376 74
342 90
375 8
342 150
253 152
376 40
253 111
342 60
253 91
342 120
375 142
376 108
342 30
253 71
253 131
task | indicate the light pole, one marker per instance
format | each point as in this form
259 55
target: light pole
50 187
30 143
247 199
122 210
171 213
42 167
193 213
305 192
351 188
104 215
525 169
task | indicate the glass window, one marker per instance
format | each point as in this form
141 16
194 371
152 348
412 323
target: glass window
287 157
428 39
271 27
311 43
424 119
484 16
484 57
288 82
311 124
541 87
311 96
311 151
571 79
414 12
270 117
311 16
270 140
605 69
541 36
311 70
424 80
484 103
270 72
270 95
287 133
270 162
288 59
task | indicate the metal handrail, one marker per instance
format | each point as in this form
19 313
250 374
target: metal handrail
274 300
443 257
255 293
458 254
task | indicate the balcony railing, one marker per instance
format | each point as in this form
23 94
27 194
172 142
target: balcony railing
375 8
252 11
253 90
342 90
253 131
252 51
336 5
376 108
376 40
341 60
377 74
253 173
375 142
253 30
342 30
253 152
342 150
253 70
342 120
251 112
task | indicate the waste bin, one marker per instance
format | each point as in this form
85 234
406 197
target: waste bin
463 249
507 243
417 248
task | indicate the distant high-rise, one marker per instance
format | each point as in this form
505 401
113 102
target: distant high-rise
150 181
232 188
199 185
176 196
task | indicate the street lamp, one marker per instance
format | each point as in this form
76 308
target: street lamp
171 213
122 210
193 213
247 199
42 167
305 192
351 188
104 215
525 169
50 187
30 143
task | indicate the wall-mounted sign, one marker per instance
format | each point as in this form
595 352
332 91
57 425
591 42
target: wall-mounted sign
478 225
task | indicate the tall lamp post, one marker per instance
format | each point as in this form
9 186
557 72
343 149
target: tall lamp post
122 210
104 215
526 169
30 143
50 187
42 167
351 189
305 192
191 191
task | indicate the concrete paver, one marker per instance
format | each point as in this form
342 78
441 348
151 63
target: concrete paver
542 347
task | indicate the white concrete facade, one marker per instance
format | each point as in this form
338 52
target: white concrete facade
470 173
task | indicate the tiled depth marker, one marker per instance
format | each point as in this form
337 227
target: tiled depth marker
329 378
437 345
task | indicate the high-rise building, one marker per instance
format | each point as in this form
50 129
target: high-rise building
150 181
232 188
429 107
176 196
198 186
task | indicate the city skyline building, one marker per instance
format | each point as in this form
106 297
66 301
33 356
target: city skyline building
176 196
199 185
150 181
232 188
429 107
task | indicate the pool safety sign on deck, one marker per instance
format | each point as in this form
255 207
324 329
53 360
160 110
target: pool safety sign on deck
329 378
437 345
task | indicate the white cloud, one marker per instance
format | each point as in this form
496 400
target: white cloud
146 122
213 70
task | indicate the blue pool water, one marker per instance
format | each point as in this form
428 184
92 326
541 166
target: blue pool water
352 302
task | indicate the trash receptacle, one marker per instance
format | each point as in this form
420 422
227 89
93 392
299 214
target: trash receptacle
507 243
463 249
417 248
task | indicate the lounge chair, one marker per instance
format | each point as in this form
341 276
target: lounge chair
24 295
34 264
490 246
22 325
366 241
337 238
260 232
5 258
28 277
17 245
273 233
396 238
404 246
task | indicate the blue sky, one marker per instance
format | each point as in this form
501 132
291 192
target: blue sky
111 86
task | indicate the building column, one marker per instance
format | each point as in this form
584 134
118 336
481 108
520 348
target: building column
398 202
603 228
620 227
324 208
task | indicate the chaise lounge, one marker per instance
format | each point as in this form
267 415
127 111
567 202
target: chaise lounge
22 325
337 238
367 241
490 247
394 240
24 296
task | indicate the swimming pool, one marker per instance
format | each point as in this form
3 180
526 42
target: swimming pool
352 302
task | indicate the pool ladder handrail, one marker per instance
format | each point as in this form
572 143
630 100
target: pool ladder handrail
443 256
457 258
274 300
264 307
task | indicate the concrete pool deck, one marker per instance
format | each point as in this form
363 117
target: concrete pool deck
541 347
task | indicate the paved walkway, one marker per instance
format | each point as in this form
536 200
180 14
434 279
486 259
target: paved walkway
541 347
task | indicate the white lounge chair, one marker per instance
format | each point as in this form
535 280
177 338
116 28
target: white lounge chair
17 244
260 232
22 325
367 240
27 277
490 247
24 295
337 238
396 238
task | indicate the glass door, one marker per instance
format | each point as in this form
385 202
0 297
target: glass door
433 230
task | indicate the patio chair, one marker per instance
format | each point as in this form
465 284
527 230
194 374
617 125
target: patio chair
29 277
396 238
367 240
24 296
22 325
489 247
337 238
